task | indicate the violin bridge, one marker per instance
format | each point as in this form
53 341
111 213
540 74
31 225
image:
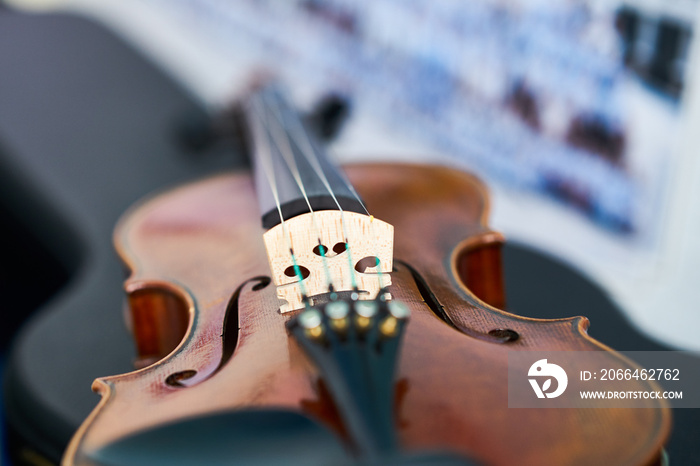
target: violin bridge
355 252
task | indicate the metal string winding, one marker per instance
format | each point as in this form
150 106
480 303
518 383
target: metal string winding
266 159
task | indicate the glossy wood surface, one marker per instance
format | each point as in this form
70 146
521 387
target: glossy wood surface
202 241
480 269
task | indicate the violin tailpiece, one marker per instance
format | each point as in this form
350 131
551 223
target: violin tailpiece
356 346
355 253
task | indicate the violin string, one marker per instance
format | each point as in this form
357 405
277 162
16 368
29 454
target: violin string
352 190
268 169
283 142
310 154
309 151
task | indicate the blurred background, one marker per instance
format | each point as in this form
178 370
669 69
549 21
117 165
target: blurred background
580 115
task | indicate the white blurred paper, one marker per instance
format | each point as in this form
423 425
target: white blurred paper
584 141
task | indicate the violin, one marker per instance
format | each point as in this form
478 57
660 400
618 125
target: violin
303 314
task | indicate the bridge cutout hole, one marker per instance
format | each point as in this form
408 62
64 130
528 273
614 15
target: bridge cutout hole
340 248
369 262
291 273
337 249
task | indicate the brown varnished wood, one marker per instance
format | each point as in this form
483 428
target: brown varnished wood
202 241
159 321
480 269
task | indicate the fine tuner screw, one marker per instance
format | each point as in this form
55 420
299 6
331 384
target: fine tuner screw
361 317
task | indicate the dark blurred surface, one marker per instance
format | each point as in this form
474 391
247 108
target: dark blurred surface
86 129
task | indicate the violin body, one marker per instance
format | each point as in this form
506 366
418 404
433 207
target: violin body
211 339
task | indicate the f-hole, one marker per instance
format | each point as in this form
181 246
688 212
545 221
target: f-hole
230 329
229 332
